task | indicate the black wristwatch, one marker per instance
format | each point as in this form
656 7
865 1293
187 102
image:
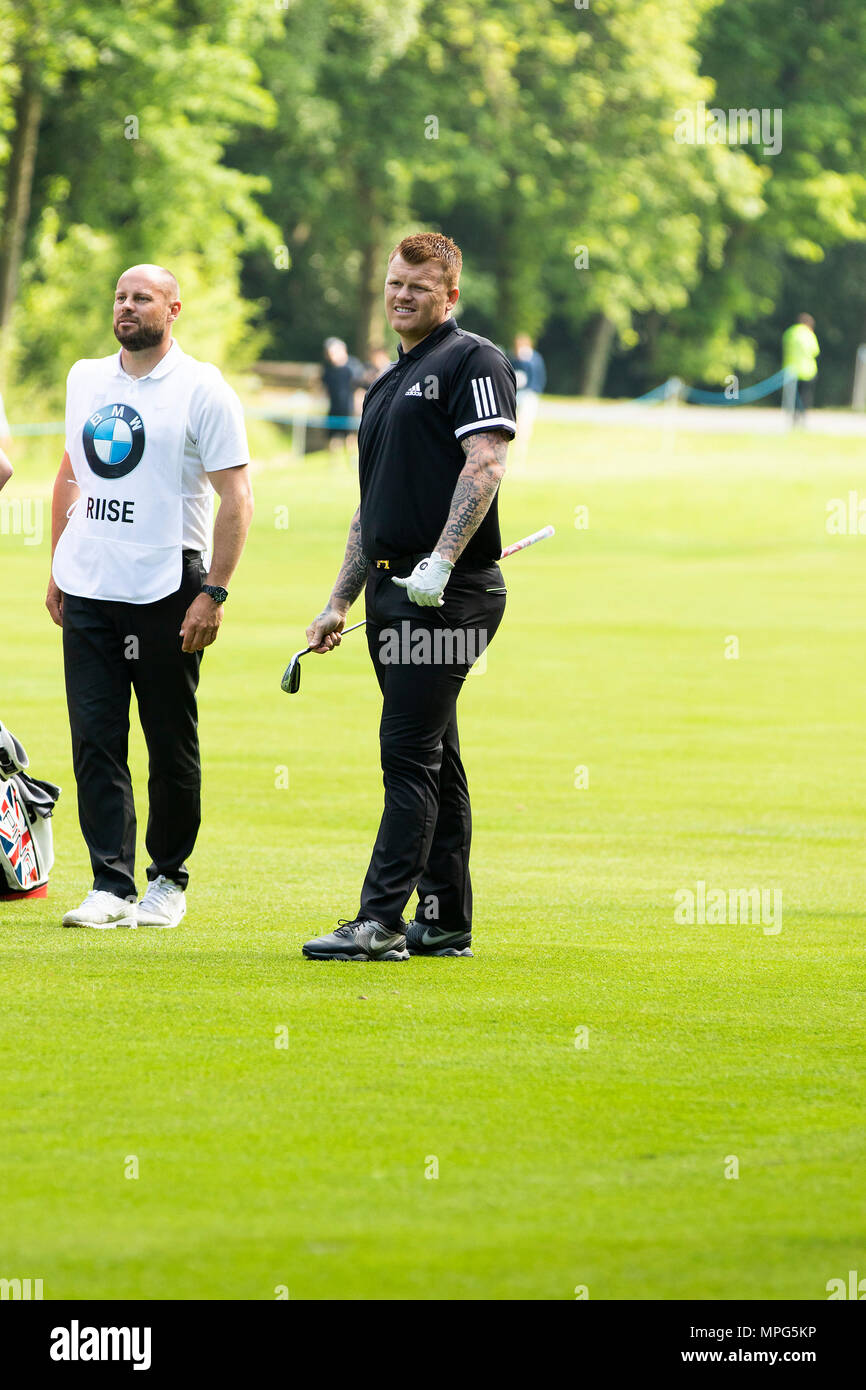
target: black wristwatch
217 594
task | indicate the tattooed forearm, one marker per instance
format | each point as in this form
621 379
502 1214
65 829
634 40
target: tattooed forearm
350 580
475 490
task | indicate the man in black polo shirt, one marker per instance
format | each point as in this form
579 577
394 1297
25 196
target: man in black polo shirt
425 541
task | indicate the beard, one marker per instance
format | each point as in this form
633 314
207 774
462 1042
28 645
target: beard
141 338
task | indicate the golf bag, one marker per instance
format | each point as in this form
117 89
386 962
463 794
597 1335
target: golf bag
26 806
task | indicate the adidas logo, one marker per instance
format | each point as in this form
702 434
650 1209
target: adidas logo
414 390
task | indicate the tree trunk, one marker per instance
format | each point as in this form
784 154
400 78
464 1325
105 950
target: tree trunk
516 273
371 278
19 187
367 330
598 357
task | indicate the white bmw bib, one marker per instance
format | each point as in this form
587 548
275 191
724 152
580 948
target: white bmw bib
126 439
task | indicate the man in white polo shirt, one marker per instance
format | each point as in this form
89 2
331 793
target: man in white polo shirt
149 432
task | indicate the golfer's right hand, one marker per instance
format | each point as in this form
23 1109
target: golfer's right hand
54 602
324 632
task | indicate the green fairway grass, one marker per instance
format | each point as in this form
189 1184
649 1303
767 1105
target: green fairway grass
560 1166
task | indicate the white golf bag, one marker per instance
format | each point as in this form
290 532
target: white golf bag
26 806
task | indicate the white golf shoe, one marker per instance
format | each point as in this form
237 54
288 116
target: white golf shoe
163 905
102 910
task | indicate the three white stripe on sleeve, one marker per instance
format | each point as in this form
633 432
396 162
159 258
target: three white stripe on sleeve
486 406
485 400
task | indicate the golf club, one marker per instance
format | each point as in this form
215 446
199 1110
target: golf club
291 681
528 540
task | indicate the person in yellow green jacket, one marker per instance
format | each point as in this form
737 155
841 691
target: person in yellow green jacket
800 351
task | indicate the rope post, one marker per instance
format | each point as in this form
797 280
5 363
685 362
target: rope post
674 388
858 395
789 395
299 435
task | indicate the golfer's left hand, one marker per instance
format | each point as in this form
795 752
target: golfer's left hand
201 623
426 584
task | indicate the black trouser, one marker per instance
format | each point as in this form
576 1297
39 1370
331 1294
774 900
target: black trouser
109 649
422 656
804 398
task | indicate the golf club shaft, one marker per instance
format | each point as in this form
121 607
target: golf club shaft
528 540
509 550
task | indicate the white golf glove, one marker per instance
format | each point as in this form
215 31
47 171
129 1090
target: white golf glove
426 584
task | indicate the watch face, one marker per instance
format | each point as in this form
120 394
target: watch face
217 594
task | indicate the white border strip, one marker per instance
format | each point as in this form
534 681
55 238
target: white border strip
481 425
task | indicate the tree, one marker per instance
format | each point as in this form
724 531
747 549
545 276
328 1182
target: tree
806 63
525 128
338 162
121 169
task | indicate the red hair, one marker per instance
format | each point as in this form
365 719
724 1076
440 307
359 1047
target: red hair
432 246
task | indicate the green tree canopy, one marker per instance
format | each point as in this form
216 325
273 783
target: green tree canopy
116 118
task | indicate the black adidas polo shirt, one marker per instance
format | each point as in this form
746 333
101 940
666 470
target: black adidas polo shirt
451 385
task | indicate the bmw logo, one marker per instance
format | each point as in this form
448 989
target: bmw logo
113 439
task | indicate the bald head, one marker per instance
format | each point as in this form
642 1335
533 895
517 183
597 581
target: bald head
156 276
146 304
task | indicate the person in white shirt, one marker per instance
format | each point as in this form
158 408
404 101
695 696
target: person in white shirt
150 432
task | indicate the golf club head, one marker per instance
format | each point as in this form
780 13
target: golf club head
291 681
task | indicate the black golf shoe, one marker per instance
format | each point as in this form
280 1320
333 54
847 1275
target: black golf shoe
423 939
362 939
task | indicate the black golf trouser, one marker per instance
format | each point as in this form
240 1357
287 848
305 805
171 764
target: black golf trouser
421 657
110 649
804 398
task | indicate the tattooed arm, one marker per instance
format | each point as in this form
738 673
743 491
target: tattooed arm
475 490
324 631
353 573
